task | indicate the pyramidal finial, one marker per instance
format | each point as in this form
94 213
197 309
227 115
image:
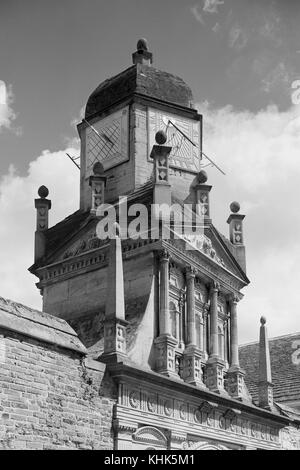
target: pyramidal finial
265 386
115 307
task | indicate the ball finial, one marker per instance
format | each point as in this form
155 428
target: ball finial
43 192
235 207
98 169
263 320
161 137
202 177
142 45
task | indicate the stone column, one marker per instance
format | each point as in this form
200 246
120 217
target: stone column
205 329
165 344
235 376
234 345
181 320
164 312
192 356
201 342
190 304
213 353
215 367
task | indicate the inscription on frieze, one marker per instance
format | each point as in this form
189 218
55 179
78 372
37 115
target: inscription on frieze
205 414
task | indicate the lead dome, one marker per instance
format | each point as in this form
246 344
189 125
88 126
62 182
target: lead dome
139 79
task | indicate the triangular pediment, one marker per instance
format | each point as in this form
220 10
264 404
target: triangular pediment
81 240
214 248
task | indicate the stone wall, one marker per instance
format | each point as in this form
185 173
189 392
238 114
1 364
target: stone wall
51 397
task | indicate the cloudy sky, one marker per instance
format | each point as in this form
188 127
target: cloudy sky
241 59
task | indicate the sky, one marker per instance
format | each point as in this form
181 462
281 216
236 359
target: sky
242 60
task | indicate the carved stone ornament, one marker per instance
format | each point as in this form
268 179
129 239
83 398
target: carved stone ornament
202 243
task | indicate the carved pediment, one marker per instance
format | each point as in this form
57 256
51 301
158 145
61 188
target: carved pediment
83 241
213 247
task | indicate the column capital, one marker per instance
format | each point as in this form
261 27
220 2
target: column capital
233 298
190 272
163 255
214 285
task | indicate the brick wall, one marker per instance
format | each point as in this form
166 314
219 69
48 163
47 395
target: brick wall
52 398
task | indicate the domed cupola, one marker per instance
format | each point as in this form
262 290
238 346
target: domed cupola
139 79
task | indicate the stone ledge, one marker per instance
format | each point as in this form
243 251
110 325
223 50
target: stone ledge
94 365
38 325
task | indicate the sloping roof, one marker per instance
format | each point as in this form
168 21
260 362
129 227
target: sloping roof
285 366
38 325
139 79
58 235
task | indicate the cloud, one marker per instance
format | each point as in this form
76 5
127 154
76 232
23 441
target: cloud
238 37
17 195
279 76
7 114
216 28
260 155
74 141
197 14
209 7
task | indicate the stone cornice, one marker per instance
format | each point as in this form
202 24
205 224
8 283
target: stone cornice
124 372
91 260
216 273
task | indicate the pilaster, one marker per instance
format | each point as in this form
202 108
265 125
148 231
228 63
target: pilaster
235 383
215 367
165 344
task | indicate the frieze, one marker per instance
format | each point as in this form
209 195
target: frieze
206 414
84 260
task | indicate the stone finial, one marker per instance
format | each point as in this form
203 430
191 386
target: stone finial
142 54
236 233
235 222
142 45
265 386
115 323
160 154
160 137
97 182
202 191
98 169
43 192
235 207
42 205
202 177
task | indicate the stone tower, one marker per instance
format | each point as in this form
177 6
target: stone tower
161 312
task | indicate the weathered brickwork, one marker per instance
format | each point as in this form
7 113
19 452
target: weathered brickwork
50 398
